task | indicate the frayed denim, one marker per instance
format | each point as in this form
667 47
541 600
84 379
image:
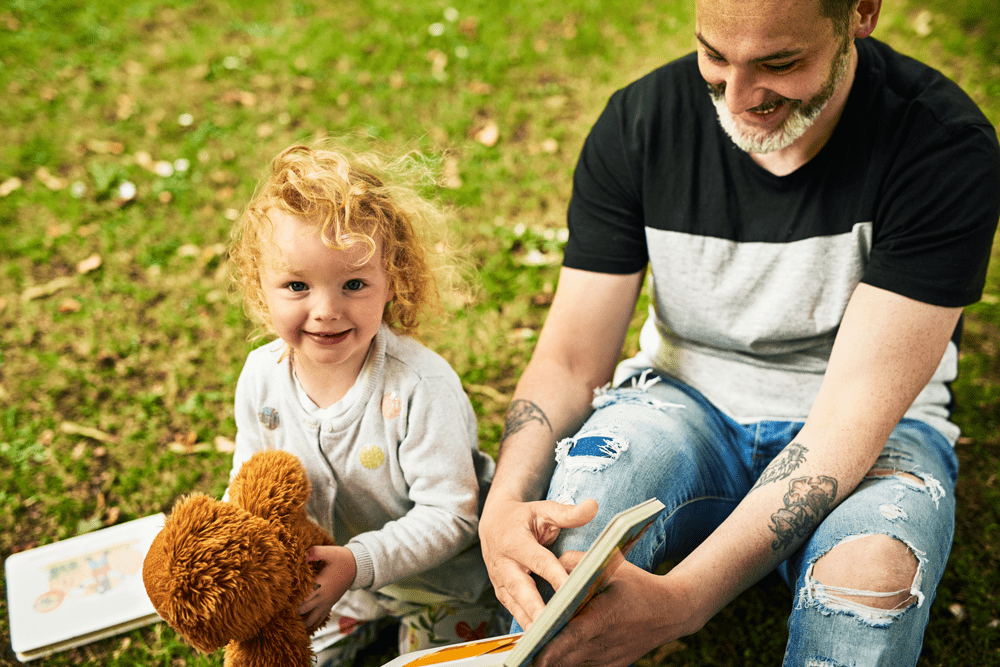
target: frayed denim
655 436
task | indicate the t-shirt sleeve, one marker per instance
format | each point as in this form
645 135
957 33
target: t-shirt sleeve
606 230
939 212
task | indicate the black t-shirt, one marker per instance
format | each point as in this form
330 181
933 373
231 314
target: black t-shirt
912 154
751 271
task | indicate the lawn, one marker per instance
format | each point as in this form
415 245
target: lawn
134 134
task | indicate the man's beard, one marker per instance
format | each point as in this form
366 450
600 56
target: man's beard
800 118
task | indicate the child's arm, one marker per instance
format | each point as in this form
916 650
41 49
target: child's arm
331 582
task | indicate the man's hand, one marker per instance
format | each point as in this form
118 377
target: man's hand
637 612
331 582
514 536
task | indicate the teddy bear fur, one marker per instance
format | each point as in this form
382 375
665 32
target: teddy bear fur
234 573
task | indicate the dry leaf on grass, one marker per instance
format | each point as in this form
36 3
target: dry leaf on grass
50 180
72 428
48 289
187 443
224 445
10 185
91 263
489 134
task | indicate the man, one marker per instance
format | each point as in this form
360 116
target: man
814 220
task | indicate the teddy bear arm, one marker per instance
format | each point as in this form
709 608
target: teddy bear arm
283 642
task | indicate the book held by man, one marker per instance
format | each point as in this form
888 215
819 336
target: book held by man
588 578
79 590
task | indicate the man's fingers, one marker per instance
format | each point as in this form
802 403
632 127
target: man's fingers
570 560
551 517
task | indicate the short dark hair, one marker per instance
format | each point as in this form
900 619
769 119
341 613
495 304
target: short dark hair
840 11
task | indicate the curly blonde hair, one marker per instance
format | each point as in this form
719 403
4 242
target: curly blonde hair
352 198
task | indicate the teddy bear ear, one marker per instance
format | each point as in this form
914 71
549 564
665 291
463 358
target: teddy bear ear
215 573
271 484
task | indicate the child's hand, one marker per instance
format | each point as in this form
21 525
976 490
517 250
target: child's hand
331 582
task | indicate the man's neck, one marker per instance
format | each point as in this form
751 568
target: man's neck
806 147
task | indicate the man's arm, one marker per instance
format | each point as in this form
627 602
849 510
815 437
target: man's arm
886 351
577 352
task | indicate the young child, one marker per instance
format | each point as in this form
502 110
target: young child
337 262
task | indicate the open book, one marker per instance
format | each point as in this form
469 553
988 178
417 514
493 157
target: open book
79 590
589 576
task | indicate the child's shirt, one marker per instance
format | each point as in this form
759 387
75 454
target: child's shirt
395 467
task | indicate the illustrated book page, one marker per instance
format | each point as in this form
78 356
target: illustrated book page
79 590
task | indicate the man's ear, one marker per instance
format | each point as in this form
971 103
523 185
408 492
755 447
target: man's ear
867 16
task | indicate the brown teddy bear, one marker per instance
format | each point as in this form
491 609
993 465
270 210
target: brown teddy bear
234 573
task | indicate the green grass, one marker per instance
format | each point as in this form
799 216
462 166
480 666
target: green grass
188 100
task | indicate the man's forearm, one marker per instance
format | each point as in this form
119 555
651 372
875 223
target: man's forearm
547 406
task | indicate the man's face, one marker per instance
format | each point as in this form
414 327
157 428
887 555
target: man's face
771 65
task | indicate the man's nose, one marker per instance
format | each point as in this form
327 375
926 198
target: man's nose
741 90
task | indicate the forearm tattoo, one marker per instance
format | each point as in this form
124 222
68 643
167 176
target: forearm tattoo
806 503
521 413
783 465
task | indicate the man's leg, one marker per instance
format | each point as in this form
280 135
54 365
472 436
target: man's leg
653 438
865 580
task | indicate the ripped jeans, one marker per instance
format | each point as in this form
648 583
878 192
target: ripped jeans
658 437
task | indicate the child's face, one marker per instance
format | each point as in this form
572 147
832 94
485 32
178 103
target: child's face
322 303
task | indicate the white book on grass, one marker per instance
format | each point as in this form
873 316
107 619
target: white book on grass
589 576
79 590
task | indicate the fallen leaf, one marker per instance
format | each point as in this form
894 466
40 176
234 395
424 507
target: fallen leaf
104 147
48 289
224 445
438 61
922 23
241 97
144 159
489 134
113 514
50 180
480 88
957 610
469 27
71 428
187 443
69 306
550 146
90 264
10 185
124 107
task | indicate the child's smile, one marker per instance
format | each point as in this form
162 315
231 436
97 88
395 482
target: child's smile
325 303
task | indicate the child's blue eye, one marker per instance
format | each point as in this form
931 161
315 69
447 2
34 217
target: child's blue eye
354 285
297 286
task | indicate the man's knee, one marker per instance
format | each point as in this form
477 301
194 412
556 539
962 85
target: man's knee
868 574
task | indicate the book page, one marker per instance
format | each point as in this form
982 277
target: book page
80 585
